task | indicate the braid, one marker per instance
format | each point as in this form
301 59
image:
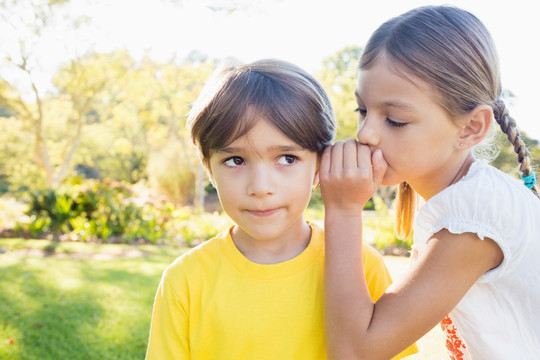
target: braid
508 126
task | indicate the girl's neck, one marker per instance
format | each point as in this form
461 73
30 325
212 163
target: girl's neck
463 169
455 174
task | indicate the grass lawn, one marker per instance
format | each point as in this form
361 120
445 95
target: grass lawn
82 301
89 301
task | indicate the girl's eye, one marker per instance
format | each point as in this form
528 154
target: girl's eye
395 123
287 159
234 161
361 111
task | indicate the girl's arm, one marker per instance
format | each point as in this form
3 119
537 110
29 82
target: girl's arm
356 327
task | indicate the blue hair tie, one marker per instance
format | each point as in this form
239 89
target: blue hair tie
529 180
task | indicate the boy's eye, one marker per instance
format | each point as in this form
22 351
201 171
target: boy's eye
287 159
234 161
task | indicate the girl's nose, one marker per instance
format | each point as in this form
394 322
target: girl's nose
367 133
260 182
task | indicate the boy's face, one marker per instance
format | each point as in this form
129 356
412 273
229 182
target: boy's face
264 182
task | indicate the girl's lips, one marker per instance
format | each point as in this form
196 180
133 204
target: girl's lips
263 213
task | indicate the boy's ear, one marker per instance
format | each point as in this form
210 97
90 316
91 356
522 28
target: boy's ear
316 178
475 126
210 176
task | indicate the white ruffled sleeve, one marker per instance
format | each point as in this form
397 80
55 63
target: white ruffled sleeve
486 202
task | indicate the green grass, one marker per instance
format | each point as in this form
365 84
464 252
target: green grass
95 303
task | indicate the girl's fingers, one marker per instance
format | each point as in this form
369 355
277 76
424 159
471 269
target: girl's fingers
364 161
379 167
350 158
324 166
336 160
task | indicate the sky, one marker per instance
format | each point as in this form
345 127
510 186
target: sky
305 32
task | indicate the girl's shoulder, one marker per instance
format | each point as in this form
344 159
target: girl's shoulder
487 202
483 187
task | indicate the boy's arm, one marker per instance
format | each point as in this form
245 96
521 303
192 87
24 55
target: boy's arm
169 337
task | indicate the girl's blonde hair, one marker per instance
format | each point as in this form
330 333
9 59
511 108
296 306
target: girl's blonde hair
450 49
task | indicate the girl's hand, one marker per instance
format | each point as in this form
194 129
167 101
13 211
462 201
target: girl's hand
349 175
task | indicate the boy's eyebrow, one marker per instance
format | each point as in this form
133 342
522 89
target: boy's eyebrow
229 150
286 148
281 148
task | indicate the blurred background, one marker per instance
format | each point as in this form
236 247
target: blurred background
100 89
96 166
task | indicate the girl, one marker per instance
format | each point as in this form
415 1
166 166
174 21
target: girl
427 92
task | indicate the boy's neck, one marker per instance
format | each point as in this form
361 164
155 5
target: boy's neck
273 251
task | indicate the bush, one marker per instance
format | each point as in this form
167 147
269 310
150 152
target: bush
109 211
382 225
193 226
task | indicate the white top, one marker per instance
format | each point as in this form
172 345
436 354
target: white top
499 317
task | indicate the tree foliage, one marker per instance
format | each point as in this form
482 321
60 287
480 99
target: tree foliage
109 115
338 76
24 25
506 159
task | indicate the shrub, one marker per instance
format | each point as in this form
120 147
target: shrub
49 211
382 225
109 211
193 226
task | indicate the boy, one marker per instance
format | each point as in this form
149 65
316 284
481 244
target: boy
255 291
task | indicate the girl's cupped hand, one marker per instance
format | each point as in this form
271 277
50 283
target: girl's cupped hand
349 175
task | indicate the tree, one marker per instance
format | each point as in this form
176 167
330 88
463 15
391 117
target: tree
114 143
137 127
27 22
173 164
339 76
506 159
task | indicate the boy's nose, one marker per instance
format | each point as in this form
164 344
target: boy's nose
260 182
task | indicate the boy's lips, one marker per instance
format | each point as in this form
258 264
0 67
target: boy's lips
262 213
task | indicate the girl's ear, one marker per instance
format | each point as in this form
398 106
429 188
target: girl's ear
475 126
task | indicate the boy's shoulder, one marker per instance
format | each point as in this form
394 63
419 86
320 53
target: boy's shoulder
208 252
370 252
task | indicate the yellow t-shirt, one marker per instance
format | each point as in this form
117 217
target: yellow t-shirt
214 303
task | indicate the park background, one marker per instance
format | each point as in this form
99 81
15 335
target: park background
100 187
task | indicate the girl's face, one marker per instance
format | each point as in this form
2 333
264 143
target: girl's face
264 181
418 139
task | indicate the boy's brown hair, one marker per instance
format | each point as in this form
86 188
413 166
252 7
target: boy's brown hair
282 93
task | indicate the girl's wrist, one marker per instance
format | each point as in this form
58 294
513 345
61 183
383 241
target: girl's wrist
343 212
